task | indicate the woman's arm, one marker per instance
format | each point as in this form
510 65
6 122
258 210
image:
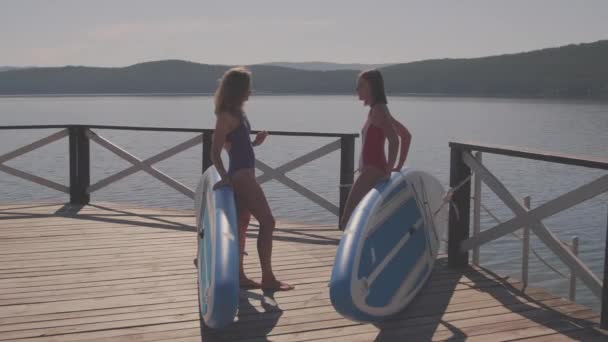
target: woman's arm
381 118
406 140
222 128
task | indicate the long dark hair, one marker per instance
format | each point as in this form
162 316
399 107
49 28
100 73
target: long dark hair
233 88
376 85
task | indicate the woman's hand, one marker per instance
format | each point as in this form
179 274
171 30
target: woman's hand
259 138
223 182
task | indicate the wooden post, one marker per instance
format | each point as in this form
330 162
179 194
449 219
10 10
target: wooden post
525 253
458 228
604 319
572 289
207 142
79 165
347 170
477 209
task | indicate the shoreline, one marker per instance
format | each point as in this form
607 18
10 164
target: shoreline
402 95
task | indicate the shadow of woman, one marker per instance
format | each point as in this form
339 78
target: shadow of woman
536 309
257 316
483 304
423 316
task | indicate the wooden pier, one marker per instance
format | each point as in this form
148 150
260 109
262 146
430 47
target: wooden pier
110 272
93 271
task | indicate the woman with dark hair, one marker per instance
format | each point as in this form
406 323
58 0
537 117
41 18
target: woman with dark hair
232 131
379 127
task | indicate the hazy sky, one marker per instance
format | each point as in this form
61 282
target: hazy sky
118 33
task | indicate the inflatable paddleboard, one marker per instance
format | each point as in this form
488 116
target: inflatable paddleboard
389 247
218 252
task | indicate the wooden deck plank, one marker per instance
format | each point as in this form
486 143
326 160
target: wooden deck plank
80 323
114 252
587 335
113 272
146 266
562 326
342 327
413 319
299 304
434 286
99 262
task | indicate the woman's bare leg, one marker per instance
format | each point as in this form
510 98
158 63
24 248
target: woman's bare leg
243 217
368 178
255 200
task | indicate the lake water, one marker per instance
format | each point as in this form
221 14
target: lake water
566 127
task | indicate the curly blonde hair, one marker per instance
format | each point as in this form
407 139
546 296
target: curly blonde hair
233 89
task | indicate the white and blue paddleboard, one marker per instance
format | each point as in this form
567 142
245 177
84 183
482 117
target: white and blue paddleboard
218 252
389 247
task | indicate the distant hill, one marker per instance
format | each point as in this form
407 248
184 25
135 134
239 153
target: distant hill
572 71
577 70
171 76
326 66
4 68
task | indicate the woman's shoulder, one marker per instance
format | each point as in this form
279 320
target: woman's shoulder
379 112
227 119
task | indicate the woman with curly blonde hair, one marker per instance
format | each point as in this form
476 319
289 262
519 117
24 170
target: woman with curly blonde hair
232 132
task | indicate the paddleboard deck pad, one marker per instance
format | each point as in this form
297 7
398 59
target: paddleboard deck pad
389 247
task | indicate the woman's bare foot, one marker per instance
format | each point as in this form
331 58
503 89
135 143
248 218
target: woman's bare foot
246 283
274 284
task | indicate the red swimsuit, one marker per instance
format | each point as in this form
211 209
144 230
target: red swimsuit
372 152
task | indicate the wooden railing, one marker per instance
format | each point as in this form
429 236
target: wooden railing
464 163
80 136
525 238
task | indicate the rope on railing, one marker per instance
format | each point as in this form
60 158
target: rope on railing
498 221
